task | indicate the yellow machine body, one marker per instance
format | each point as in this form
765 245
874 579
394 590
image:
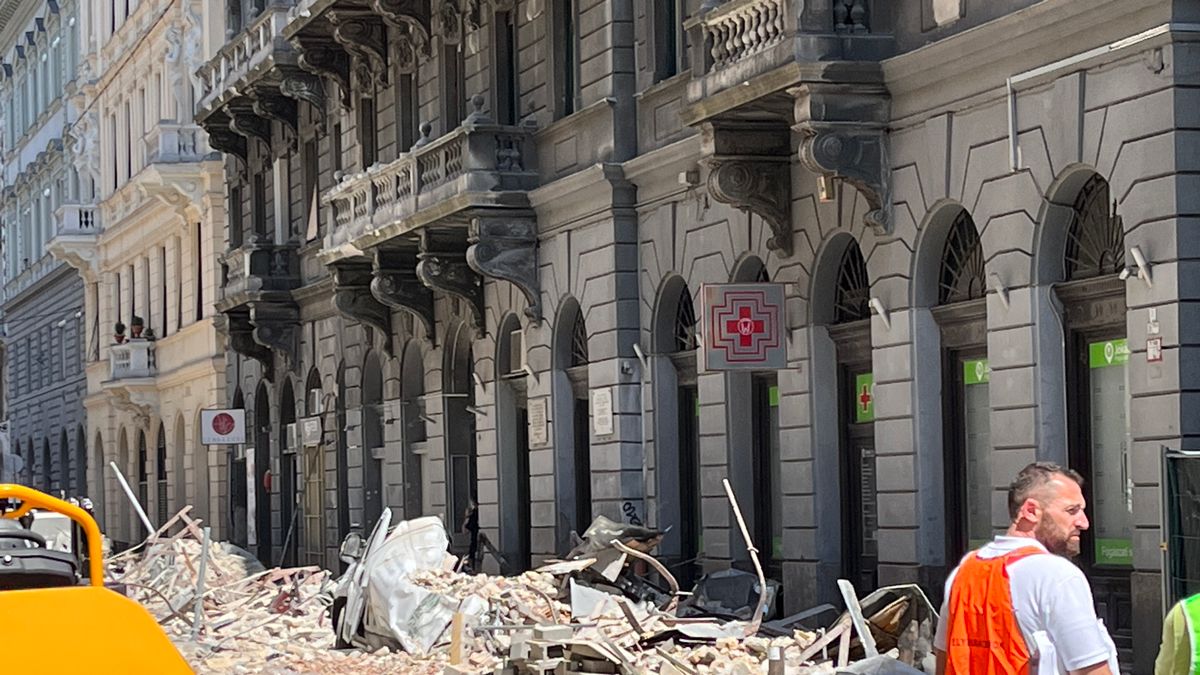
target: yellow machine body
79 629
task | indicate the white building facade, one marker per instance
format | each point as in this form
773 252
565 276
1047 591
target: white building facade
145 250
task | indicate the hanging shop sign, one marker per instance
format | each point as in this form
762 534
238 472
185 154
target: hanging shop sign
864 397
976 371
223 427
1108 353
744 327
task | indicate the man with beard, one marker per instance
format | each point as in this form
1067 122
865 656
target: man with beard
1018 605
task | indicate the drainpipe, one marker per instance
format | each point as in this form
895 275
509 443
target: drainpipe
1090 57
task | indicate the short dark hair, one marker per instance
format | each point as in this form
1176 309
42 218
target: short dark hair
1033 477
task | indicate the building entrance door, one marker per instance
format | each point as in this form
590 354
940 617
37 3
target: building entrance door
860 500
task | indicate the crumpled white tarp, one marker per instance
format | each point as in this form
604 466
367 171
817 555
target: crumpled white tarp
399 611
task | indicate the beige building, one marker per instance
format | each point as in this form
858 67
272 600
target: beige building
145 243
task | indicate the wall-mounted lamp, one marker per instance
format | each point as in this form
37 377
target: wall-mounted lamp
999 287
1143 266
641 357
877 305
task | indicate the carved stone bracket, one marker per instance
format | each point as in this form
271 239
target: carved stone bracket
352 297
396 285
241 340
278 108
250 125
138 405
506 248
411 40
363 38
306 87
748 169
228 141
277 327
760 186
449 273
326 59
844 135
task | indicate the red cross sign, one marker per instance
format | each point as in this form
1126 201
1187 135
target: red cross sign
743 327
865 398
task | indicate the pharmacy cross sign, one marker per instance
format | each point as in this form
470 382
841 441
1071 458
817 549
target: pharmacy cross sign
743 327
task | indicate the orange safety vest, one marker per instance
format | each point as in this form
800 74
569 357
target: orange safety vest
983 637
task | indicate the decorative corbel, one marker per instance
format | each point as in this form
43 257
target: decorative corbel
250 125
302 86
505 247
748 169
411 20
364 40
844 135
325 59
276 327
241 340
353 299
227 141
449 273
279 108
396 285
761 186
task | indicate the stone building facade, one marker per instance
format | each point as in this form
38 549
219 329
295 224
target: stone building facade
43 331
459 229
145 251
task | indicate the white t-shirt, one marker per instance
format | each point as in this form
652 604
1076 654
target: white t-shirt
1053 604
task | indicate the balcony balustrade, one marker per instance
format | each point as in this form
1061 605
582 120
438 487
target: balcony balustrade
170 142
479 164
131 359
743 28
244 53
259 267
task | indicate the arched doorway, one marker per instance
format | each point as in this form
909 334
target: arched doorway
677 436
160 468
843 310
98 493
179 468
753 398
263 510
289 506
125 527
574 413
961 316
458 392
312 531
512 429
143 477
372 439
47 467
81 462
1097 398
343 449
412 389
64 462
239 494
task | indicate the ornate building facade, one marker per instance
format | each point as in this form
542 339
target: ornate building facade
43 324
455 226
144 248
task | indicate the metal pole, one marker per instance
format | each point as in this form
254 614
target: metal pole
197 612
137 506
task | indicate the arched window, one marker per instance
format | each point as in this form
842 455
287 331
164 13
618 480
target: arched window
1096 236
852 301
64 462
686 325
962 275
160 469
579 340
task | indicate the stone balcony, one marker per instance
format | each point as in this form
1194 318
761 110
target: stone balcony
77 237
171 143
261 316
478 166
131 360
438 218
244 56
132 373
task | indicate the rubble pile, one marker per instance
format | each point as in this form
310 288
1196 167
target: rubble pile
403 607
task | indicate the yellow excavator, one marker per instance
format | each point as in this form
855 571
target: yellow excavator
54 618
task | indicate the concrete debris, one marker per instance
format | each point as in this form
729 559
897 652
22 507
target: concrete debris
563 618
